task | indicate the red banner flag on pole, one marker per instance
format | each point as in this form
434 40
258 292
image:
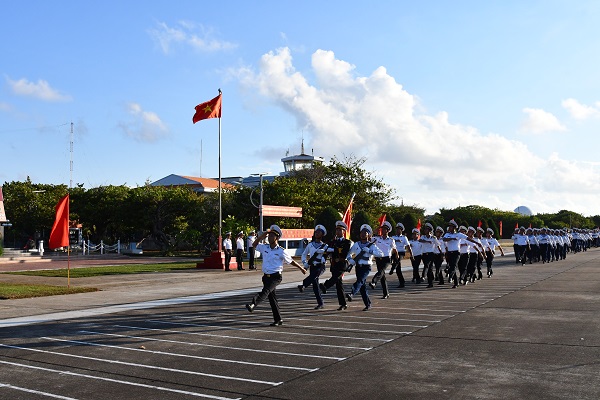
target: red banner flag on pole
59 236
500 229
209 109
479 224
347 218
381 221
419 224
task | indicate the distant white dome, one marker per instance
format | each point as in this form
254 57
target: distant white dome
524 210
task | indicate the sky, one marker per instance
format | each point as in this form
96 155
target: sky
451 103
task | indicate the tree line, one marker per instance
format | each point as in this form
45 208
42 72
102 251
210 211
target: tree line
177 218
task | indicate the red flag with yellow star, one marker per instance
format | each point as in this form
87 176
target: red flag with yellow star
209 109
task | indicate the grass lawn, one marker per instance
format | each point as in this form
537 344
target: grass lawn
109 270
22 291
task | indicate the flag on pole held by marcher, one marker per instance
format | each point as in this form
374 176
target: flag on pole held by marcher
419 224
381 220
208 109
347 218
59 236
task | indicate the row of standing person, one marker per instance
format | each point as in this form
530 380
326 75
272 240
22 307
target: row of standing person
239 250
464 250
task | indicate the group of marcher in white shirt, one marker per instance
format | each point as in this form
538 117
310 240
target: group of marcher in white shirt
463 248
548 245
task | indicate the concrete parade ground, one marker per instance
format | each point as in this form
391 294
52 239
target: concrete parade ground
529 332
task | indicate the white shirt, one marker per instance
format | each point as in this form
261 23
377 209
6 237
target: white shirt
311 249
454 244
367 257
227 244
401 242
442 246
239 244
492 244
416 248
386 245
250 240
428 243
273 259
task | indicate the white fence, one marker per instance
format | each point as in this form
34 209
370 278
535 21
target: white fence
101 248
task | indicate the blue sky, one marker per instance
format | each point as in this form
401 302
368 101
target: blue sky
492 103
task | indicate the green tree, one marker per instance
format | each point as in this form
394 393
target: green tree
328 218
359 219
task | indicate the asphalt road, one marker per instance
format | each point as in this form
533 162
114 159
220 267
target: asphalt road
529 332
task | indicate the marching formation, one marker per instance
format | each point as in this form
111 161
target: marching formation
464 249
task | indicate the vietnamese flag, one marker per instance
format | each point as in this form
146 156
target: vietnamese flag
381 220
59 236
419 224
209 109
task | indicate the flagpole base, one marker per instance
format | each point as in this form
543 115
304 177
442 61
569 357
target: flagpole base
216 260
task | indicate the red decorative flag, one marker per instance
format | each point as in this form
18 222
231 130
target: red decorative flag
479 224
209 109
381 221
517 225
419 224
59 236
347 218
500 228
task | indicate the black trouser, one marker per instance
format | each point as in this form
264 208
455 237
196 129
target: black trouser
479 264
463 261
227 259
438 260
382 264
239 258
251 257
471 266
337 273
315 271
489 257
397 265
520 251
428 267
545 252
452 259
416 261
270 282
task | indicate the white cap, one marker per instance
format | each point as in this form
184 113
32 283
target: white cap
490 230
470 228
322 228
386 225
276 229
366 227
462 227
400 225
428 225
480 229
341 224
415 230
453 223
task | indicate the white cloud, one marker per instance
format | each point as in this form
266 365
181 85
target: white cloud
581 111
427 158
539 121
40 90
5 107
186 34
144 126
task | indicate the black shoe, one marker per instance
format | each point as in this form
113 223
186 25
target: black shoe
430 285
454 286
227 269
440 282
372 285
301 288
400 286
367 308
250 306
323 288
387 296
342 308
277 323
349 297
318 307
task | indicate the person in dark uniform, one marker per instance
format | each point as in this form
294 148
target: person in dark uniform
338 250
272 266
313 259
388 246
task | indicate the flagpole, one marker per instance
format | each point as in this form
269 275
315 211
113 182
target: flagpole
220 197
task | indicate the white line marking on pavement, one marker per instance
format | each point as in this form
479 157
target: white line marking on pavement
183 371
46 394
63 372
246 338
173 354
